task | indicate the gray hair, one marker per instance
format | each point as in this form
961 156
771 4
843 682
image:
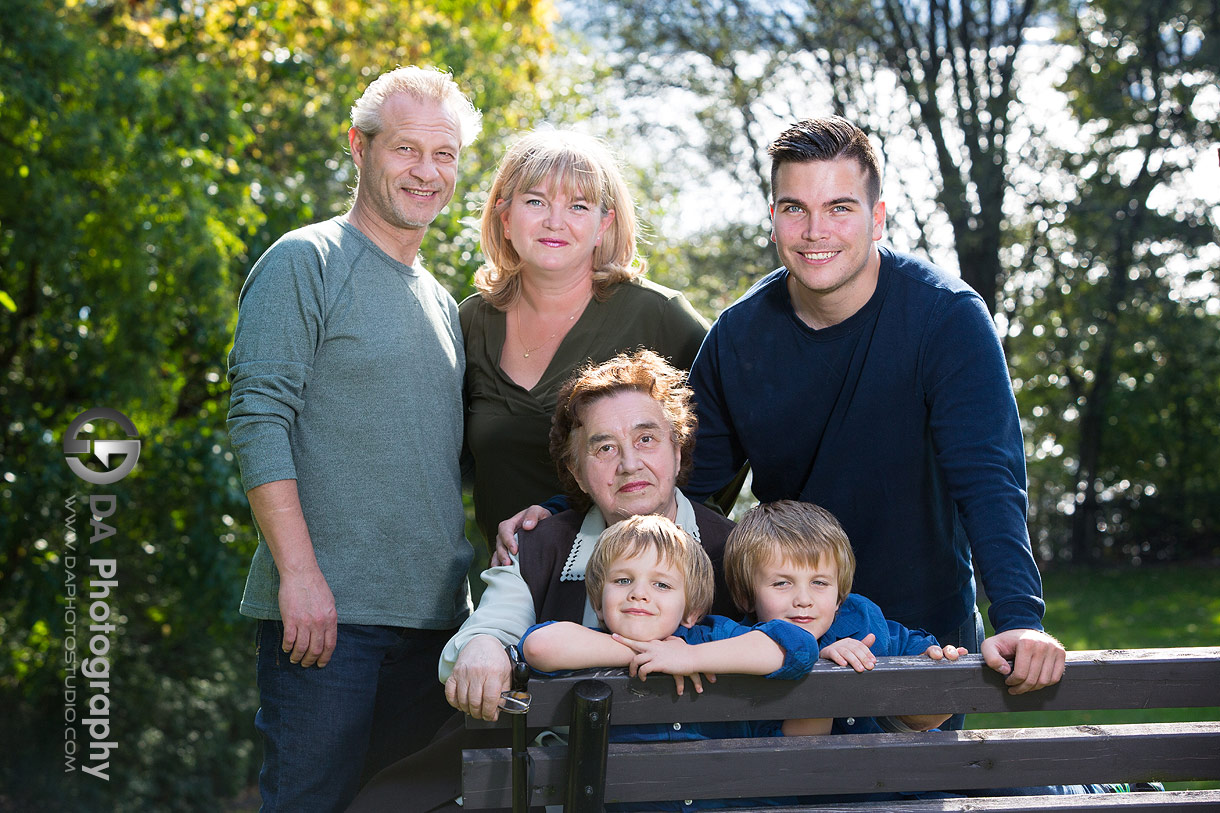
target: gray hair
421 83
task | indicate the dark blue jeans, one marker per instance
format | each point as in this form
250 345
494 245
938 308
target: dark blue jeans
326 731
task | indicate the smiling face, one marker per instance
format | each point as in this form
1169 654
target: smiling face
554 229
644 597
626 460
806 596
825 230
409 169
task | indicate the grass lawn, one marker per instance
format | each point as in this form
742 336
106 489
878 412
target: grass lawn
1130 608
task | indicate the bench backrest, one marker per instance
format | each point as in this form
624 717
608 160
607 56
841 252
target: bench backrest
1128 679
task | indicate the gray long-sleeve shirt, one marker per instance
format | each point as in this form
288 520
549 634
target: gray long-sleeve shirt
346 375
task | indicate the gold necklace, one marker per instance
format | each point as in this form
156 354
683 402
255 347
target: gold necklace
526 350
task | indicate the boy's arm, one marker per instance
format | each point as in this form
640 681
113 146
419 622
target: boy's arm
776 649
926 722
753 653
808 727
564 645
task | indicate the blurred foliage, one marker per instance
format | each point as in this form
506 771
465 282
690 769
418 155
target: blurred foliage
1124 608
714 267
937 80
150 150
1114 336
1069 208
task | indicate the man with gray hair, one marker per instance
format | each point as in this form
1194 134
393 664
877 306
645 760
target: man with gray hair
346 417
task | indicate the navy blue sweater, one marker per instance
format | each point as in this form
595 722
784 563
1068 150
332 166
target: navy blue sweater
900 421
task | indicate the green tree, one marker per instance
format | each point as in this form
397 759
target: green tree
149 151
937 79
1114 349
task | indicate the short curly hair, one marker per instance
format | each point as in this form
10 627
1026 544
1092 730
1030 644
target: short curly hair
674 546
642 371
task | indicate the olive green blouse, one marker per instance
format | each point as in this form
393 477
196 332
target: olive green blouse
508 427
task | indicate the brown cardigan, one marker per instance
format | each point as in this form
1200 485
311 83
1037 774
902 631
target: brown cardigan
544 551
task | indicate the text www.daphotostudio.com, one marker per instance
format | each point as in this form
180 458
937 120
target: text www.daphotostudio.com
94 660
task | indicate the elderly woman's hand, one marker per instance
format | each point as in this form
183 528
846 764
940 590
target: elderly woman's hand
481 673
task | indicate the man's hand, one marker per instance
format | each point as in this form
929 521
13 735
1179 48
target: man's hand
482 672
1037 659
850 652
311 624
506 533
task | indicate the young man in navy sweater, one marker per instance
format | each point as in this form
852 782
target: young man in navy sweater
897 413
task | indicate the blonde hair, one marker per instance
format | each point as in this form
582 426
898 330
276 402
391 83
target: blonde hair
798 532
420 83
642 371
579 165
637 534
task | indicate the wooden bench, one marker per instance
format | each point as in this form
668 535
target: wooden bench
585 772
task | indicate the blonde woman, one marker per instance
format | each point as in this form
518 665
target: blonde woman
562 287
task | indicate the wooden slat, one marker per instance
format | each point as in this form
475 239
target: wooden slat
1101 679
895 762
1180 800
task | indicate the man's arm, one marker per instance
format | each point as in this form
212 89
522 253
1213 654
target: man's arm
307 607
718 453
279 325
977 434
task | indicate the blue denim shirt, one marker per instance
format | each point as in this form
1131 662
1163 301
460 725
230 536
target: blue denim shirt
856 618
800 653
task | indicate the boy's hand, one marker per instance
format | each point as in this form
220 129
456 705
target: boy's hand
671 655
853 653
950 652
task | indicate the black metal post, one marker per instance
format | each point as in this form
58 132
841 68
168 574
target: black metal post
522 786
588 743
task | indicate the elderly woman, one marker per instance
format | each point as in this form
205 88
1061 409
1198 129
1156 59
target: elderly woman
561 287
621 440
